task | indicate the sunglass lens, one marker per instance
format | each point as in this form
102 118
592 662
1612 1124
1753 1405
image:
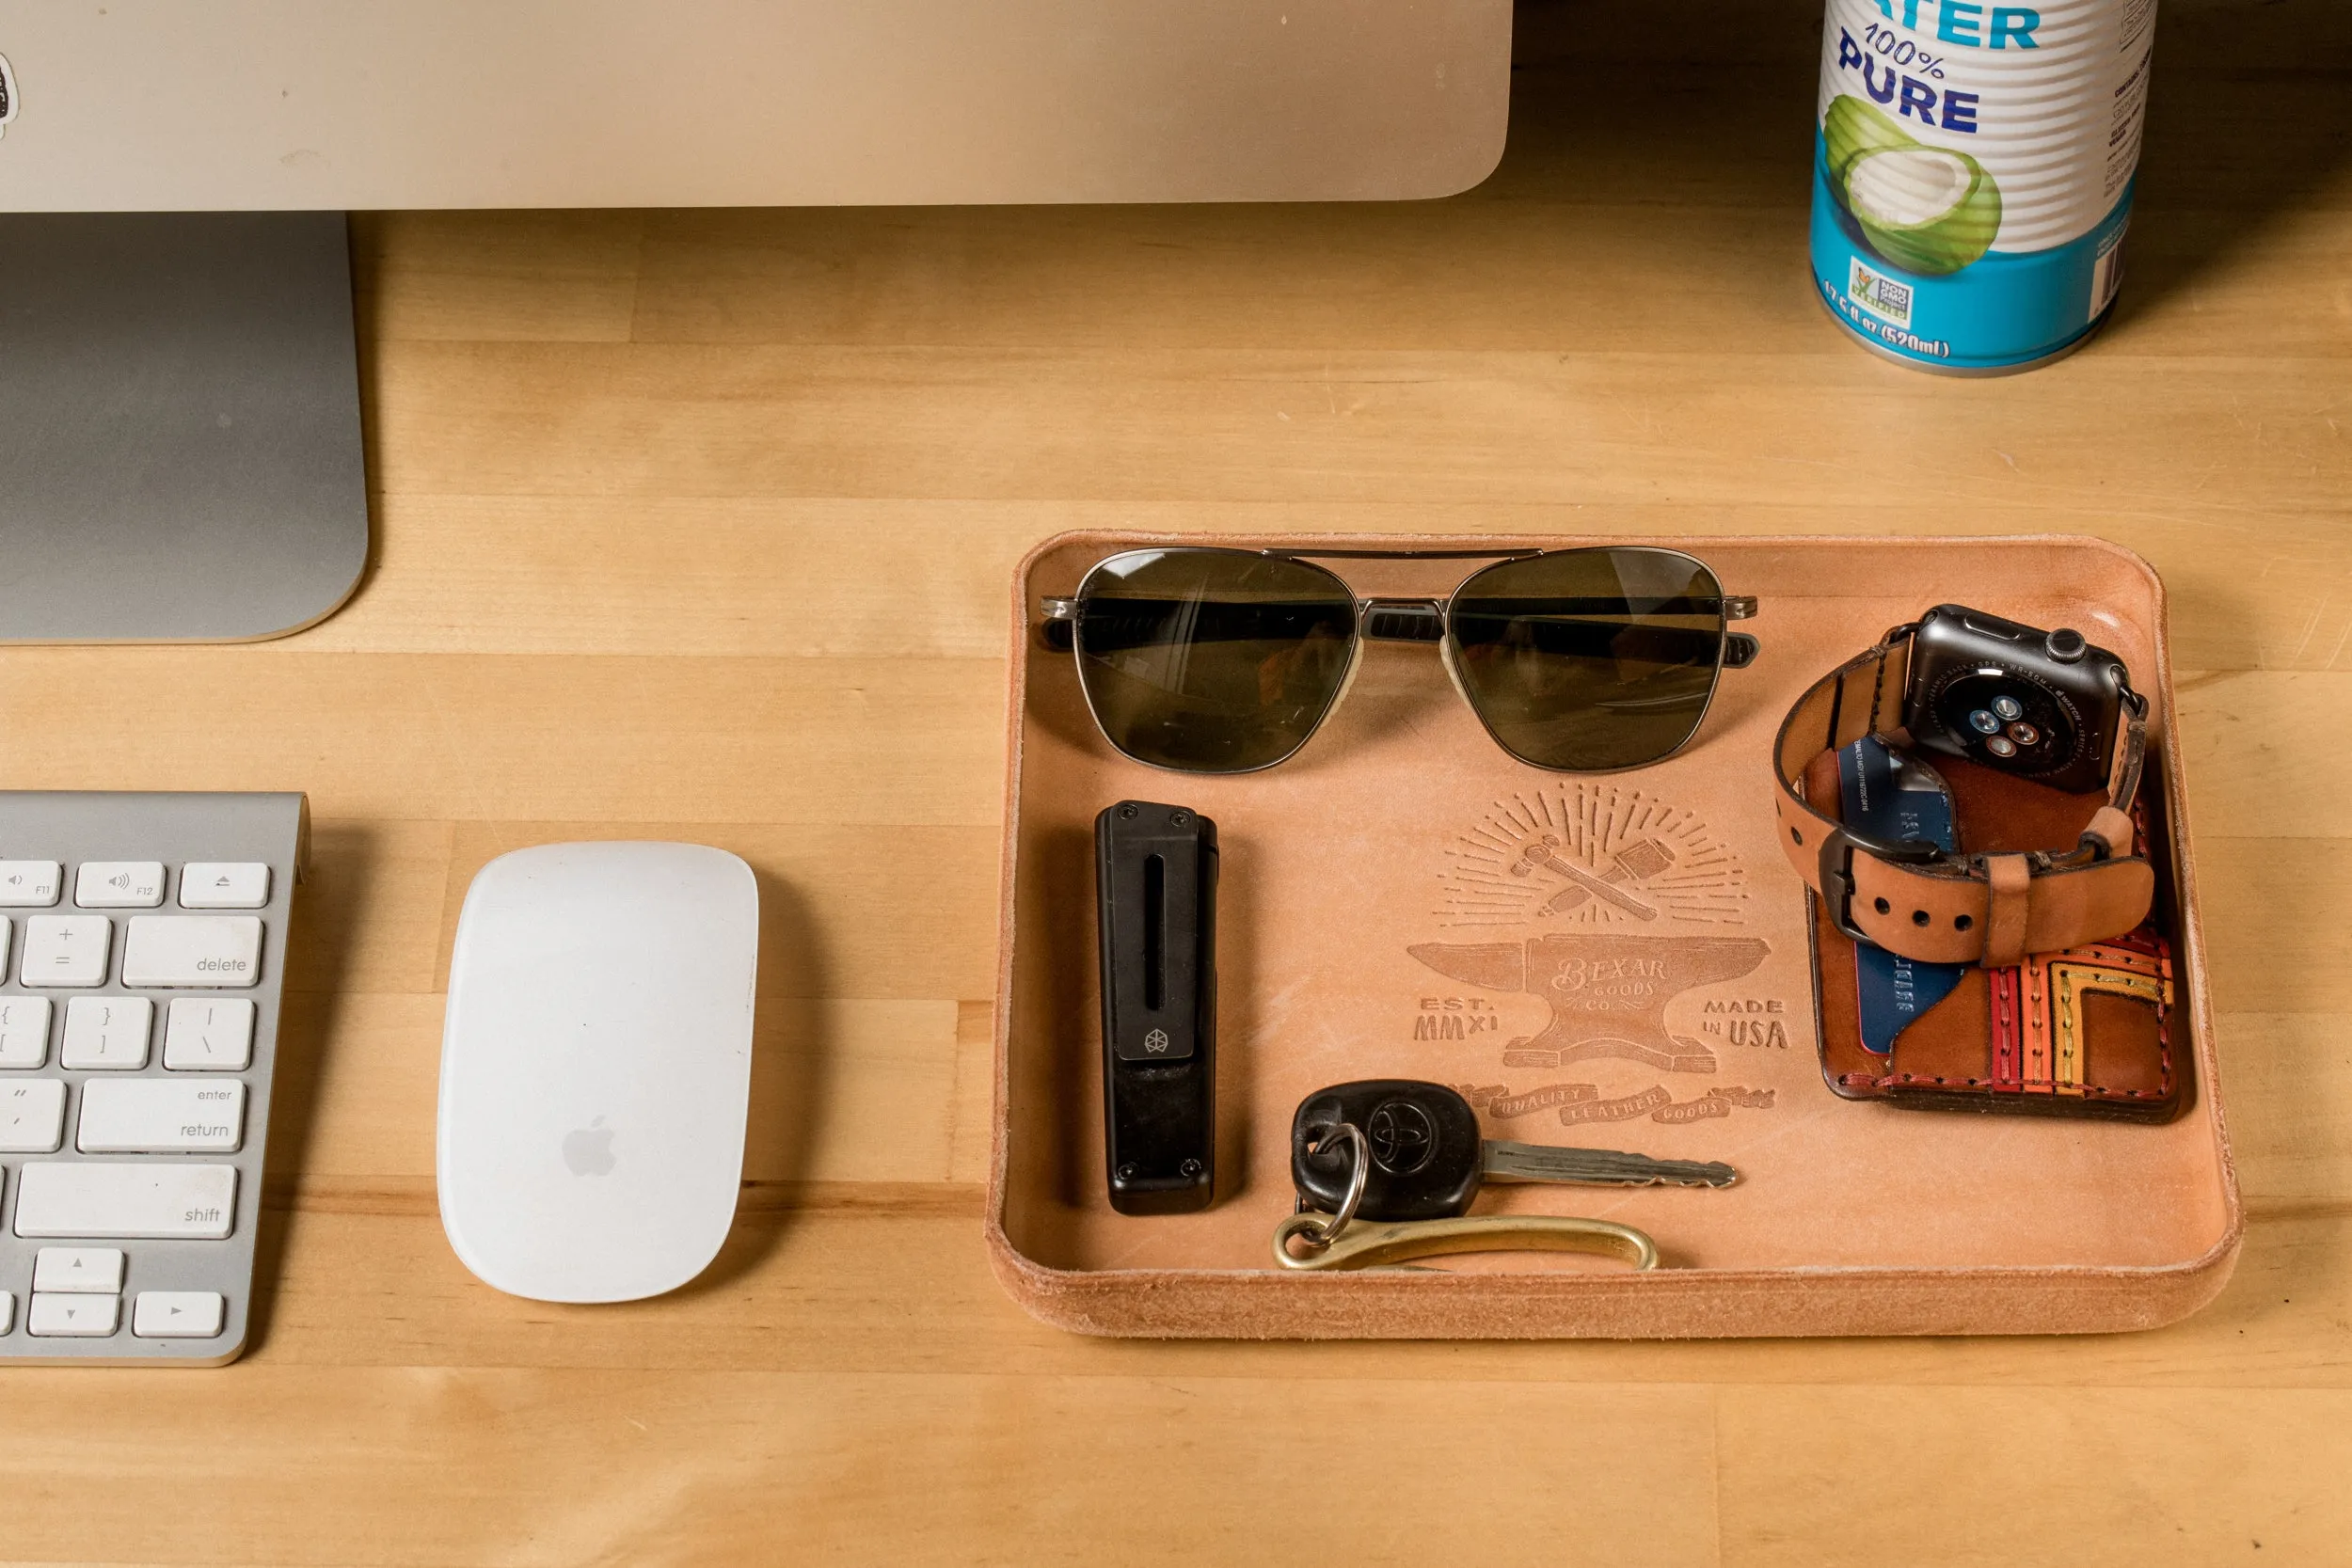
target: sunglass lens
1211 662
1587 660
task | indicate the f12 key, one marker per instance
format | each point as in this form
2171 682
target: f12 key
1427 1160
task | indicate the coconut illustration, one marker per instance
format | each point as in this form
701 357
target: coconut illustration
1923 207
1849 128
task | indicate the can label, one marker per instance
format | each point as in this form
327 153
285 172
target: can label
1973 169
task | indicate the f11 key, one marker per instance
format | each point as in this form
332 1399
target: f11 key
1425 1161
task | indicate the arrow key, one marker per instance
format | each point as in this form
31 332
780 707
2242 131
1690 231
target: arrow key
73 1317
82 1271
177 1315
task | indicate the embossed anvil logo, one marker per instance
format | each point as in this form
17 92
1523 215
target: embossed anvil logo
1608 994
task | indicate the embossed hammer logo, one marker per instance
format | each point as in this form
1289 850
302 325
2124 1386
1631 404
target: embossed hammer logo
1591 857
1635 862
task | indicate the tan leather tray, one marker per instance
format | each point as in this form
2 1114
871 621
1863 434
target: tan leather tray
1380 916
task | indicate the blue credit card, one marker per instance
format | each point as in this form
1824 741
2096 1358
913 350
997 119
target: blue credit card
1890 796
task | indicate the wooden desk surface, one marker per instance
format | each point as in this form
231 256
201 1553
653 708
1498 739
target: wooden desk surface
699 525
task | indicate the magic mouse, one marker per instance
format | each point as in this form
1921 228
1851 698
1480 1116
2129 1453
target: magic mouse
596 1066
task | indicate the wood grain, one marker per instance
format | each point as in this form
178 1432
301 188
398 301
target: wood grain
699 525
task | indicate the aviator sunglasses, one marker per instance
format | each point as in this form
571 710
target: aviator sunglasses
1215 660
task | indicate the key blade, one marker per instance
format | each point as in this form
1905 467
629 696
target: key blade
1504 1161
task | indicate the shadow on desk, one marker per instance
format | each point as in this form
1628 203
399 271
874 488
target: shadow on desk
339 880
2245 127
1712 102
790 1083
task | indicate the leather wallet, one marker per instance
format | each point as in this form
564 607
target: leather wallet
2087 1031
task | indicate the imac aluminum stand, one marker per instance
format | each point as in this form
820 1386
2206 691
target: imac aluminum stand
180 449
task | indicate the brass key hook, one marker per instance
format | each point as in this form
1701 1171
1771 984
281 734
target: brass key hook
1367 1244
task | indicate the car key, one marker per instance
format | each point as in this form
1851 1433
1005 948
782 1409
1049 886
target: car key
1423 1159
1337 1241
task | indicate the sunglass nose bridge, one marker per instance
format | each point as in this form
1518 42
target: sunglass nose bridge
1402 621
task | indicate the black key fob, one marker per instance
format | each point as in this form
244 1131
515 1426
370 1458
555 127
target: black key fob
1155 892
1426 1157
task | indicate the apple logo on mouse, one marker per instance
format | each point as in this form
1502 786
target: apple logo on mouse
588 1150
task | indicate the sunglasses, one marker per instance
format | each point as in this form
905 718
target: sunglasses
1214 661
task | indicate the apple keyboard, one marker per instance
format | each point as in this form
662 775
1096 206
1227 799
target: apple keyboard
143 943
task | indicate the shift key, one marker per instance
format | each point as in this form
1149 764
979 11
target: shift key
97 1199
188 950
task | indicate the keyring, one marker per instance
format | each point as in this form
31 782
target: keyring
1374 1245
1313 1231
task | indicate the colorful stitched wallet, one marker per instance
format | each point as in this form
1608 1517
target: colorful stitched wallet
2086 1032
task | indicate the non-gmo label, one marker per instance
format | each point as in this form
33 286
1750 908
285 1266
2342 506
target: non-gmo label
1879 295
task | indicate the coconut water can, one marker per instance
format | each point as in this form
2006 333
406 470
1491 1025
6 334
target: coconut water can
1973 173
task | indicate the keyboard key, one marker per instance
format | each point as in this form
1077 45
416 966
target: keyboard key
81 1270
160 1116
176 1314
205 1034
118 884
7 1310
86 1198
23 1031
32 1116
71 1317
66 950
193 950
224 885
107 1033
30 884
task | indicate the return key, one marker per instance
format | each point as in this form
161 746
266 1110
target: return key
160 1116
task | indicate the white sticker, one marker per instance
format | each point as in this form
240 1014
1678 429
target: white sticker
7 95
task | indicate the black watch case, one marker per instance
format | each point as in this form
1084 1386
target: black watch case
2044 706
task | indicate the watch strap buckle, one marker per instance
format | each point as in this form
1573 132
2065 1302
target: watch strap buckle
1836 870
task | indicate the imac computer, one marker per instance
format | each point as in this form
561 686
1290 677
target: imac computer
180 451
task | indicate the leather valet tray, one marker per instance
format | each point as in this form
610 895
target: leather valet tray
1387 909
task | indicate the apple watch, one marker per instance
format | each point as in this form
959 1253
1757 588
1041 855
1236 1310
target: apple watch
1929 904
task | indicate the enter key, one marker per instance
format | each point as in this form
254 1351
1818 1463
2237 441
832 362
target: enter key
160 1116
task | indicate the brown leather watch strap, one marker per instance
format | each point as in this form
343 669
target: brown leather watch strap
1921 902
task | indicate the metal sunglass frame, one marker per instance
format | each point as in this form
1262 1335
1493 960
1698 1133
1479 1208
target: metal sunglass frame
1400 619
